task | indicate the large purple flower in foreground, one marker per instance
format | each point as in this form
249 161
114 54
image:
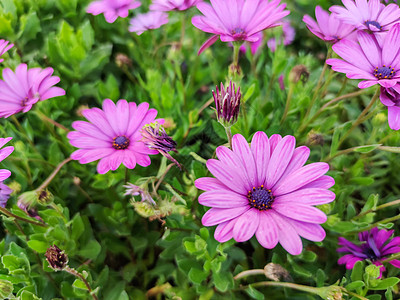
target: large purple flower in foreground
168 5
113 135
328 27
238 20
370 15
150 20
266 190
5 152
22 89
112 9
391 98
4 47
367 60
376 246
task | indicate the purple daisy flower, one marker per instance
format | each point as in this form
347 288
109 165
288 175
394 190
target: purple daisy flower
367 60
113 135
391 98
238 20
266 190
376 246
5 152
5 193
328 27
168 5
150 20
287 38
112 9
369 15
4 47
19 91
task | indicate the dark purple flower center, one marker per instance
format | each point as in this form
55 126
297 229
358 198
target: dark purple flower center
373 23
384 72
238 33
260 198
120 142
371 254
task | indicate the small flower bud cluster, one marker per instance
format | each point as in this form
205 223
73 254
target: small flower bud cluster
227 103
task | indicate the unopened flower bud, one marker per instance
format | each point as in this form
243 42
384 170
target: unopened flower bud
155 138
6 288
314 139
27 201
227 103
56 258
332 292
45 197
299 72
123 60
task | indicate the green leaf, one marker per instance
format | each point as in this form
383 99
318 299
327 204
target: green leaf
366 148
362 180
38 246
77 227
249 92
371 203
79 284
335 141
30 26
222 281
91 250
357 272
386 283
355 285
254 294
197 276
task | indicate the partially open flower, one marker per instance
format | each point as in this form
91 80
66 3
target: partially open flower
135 190
56 258
227 103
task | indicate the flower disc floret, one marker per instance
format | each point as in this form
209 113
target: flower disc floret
265 190
113 135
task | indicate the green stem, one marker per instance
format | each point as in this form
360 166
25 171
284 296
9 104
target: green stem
236 50
22 131
391 203
229 135
288 100
345 151
183 29
344 84
249 273
384 221
321 78
321 110
51 121
396 256
79 275
52 175
360 118
11 215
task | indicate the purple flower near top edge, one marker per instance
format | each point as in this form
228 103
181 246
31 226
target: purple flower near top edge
328 27
4 47
19 91
5 193
265 189
376 245
112 9
369 61
237 20
150 20
168 5
113 135
288 34
4 153
369 15
391 99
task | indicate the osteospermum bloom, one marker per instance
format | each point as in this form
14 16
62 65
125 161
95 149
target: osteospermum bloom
266 190
168 5
391 98
4 47
367 60
288 34
150 20
5 152
376 245
112 9
113 135
369 15
327 27
5 193
238 20
19 91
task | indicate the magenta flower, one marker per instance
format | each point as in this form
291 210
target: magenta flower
150 20
4 47
367 60
328 27
266 190
369 15
391 98
376 246
287 37
238 20
168 5
112 9
19 91
5 193
113 135
5 152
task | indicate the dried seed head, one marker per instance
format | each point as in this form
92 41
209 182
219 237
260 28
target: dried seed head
56 258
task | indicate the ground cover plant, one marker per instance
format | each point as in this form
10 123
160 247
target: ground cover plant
188 149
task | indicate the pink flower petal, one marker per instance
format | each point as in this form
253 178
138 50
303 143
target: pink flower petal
246 225
216 216
267 231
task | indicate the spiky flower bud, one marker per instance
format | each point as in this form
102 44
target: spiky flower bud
56 258
227 103
155 138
